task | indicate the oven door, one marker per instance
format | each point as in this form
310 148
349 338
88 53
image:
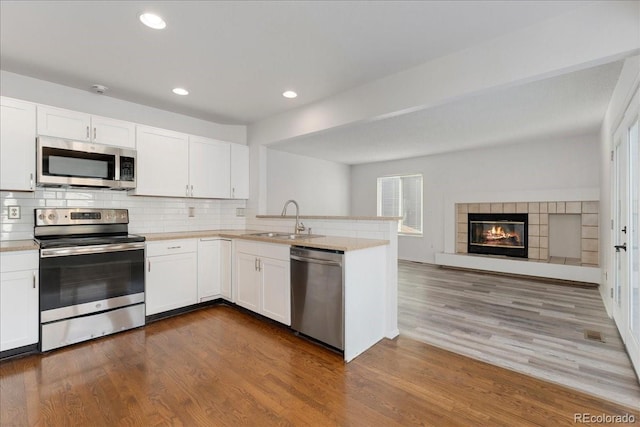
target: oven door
76 281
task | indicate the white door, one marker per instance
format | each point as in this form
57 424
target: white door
626 231
18 309
239 171
63 123
162 162
209 168
247 281
276 289
225 269
171 282
208 269
113 132
17 145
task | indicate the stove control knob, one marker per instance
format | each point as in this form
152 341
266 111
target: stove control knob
51 217
41 217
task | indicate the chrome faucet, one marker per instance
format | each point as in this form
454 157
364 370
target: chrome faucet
299 226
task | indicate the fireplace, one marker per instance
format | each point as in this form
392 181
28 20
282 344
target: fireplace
498 234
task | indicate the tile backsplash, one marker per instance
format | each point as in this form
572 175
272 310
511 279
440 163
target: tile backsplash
146 214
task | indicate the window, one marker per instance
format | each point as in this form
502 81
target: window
402 196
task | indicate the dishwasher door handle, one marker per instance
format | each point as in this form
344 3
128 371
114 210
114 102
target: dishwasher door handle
316 261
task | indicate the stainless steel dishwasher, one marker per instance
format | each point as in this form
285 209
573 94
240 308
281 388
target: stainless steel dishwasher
317 294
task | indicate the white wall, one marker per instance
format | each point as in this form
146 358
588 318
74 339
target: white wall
320 187
44 92
537 169
625 88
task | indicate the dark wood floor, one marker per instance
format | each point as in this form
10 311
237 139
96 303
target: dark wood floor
220 366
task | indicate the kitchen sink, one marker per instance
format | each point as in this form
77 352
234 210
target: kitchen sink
285 236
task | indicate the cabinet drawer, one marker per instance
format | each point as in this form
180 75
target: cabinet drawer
169 247
267 250
19 261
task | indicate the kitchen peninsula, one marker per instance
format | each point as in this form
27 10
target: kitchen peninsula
368 282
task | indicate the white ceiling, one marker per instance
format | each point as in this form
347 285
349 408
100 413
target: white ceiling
237 57
567 105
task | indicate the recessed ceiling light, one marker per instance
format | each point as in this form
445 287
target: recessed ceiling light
180 91
152 20
289 94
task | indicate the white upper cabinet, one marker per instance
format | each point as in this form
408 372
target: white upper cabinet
162 162
209 168
78 126
17 145
64 123
113 132
239 171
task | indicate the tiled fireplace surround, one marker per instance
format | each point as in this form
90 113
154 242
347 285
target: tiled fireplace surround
539 226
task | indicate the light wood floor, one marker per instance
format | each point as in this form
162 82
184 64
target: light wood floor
221 367
530 326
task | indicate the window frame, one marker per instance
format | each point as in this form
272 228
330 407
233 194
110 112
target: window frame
401 208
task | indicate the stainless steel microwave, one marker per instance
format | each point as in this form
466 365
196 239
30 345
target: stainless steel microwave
66 163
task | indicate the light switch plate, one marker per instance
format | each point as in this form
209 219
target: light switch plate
192 212
14 212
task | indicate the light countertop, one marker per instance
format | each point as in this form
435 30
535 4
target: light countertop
18 245
337 243
333 217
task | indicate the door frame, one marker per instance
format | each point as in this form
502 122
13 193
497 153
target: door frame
621 308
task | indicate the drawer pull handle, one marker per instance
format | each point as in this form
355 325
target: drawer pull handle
174 247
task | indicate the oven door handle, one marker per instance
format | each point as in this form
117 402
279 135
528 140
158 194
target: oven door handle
89 250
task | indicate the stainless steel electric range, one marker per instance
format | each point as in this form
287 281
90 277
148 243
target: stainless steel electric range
91 275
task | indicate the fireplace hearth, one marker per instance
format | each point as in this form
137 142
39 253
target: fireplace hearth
498 234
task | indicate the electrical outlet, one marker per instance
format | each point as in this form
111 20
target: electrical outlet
192 212
14 212
240 212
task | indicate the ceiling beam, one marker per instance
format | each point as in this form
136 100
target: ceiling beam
591 35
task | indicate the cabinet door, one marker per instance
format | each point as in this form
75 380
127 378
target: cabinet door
171 282
209 272
247 292
276 290
63 123
209 166
239 171
113 132
163 162
19 315
225 269
17 145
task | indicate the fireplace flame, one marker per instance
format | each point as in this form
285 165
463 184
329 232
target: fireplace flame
499 233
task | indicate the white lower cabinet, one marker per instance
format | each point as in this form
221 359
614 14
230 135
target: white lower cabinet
262 281
19 307
171 278
214 269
